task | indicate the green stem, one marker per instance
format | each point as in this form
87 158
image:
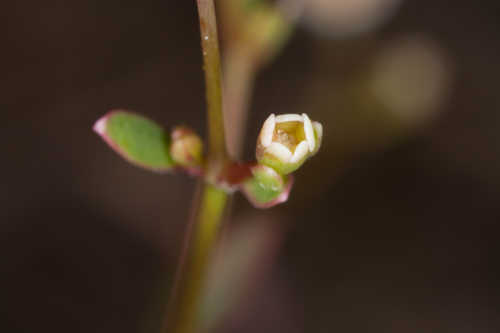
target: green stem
213 77
202 239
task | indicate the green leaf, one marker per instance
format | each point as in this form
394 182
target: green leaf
139 140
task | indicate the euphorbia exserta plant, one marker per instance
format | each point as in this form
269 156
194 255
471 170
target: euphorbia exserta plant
285 142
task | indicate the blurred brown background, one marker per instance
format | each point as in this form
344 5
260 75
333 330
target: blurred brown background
392 228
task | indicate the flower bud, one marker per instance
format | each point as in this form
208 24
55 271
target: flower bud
266 188
258 29
286 141
186 148
268 30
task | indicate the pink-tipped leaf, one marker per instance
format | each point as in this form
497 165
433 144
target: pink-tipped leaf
137 139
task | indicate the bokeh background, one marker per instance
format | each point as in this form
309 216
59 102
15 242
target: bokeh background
391 228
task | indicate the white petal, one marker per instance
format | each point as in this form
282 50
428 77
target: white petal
280 151
319 130
266 135
300 152
308 129
282 118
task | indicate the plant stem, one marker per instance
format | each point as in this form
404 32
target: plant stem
211 205
212 65
202 243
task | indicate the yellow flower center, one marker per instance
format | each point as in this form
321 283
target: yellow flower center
289 134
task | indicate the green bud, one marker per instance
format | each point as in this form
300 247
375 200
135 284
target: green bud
259 28
266 188
268 30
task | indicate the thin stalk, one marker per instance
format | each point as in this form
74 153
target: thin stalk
202 243
213 77
211 204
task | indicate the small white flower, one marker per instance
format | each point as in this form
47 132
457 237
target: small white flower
286 141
